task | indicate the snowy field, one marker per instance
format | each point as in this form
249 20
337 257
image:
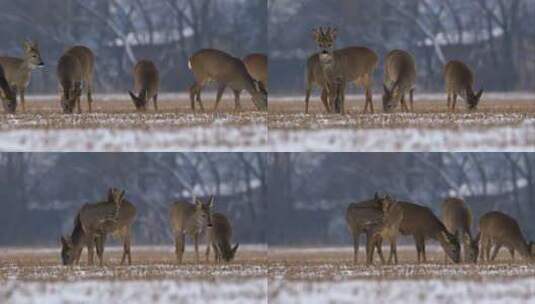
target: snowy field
503 122
115 126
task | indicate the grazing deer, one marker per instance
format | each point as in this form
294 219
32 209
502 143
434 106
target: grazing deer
210 65
94 222
190 219
219 236
257 66
146 82
502 230
87 60
9 98
400 76
389 228
18 70
69 73
330 69
457 218
421 223
459 81
363 217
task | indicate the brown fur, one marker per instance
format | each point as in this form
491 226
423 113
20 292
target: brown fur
146 82
220 235
457 218
257 66
459 81
87 61
400 76
8 97
69 72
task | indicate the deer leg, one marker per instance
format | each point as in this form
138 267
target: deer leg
423 251
379 246
196 243
22 100
356 240
487 249
155 101
220 91
237 105
449 101
512 253
404 107
307 97
90 246
369 100
370 246
100 248
497 248
411 99
325 101
418 248
454 102
208 252
394 248
192 95
179 246
341 97
78 106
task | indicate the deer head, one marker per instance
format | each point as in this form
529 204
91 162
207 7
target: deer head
472 99
451 245
204 211
471 248
32 55
390 98
325 39
140 102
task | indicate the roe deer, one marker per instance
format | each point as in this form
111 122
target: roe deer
94 222
502 230
457 218
459 81
257 66
421 223
389 228
219 236
146 82
363 217
400 75
18 70
69 72
9 99
330 69
87 60
210 65
190 219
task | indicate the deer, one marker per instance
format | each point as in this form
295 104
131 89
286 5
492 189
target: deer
146 82
421 223
69 73
190 219
257 66
389 227
211 65
459 82
219 236
457 218
87 60
500 229
363 217
330 69
399 79
9 99
94 222
18 70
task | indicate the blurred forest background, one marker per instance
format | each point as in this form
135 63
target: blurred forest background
120 32
495 37
309 192
42 192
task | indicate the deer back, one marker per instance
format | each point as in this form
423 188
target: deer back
184 219
503 229
363 215
87 60
456 216
146 77
257 66
420 220
400 70
356 62
458 77
103 217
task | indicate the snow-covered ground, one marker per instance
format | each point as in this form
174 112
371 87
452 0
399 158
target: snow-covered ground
132 292
432 291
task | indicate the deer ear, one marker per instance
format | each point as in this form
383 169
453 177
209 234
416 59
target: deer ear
211 202
235 248
478 95
132 95
65 242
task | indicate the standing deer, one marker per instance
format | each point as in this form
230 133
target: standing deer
400 76
459 81
94 222
9 99
146 82
190 219
363 217
457 218
257 66
330 69
87 61
18 70
389 227
69 73
502 230
421 223
219 236
210 65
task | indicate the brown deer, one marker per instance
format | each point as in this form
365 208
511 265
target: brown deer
457 218
94 222
389 227
210 65
330 69
500 229
421 223
87 61
18 70
191 219
400 76
8 97
69 73
459 82
219 236
257 66
146 82
364 217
